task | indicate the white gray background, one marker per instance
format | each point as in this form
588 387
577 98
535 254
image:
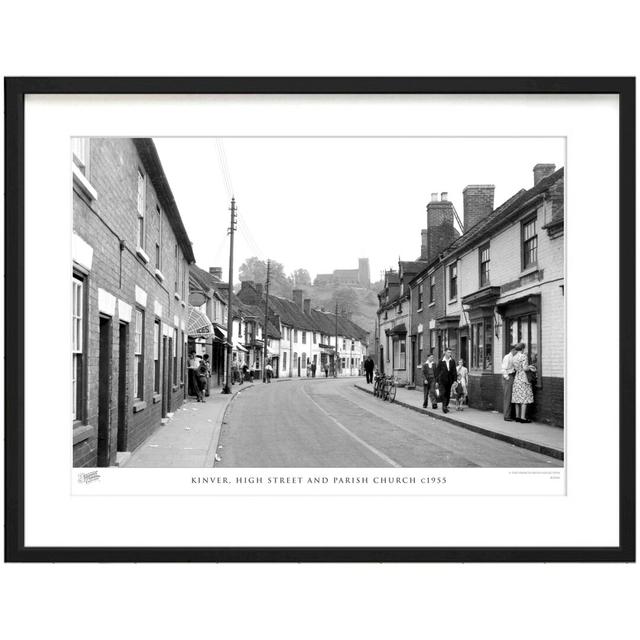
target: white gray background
372 38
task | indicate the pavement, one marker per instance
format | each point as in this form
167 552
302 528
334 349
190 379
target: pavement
535 436
189 437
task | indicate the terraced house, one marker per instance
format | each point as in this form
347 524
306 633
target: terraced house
499 283
130 271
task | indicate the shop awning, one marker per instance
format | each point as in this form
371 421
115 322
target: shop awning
239 347
398 330
198 325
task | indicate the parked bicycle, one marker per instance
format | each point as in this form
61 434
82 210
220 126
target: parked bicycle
384 387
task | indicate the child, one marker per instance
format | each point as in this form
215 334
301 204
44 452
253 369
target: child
457 392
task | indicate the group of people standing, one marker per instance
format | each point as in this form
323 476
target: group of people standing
443 380
518 382
199 372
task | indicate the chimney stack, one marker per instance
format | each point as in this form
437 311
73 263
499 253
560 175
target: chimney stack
297 297
541 171
440 230
478 203
216 272
444 196
307 305
424 246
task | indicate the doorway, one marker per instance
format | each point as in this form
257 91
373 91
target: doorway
104 392
122 386
464 346
165 375
170 373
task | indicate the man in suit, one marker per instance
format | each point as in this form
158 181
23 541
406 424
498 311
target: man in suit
429 382
368 369
446 375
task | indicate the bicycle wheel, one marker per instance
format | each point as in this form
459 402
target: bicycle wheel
385 391
391 392
376 388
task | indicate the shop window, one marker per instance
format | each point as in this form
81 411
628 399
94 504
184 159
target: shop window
485 261
529 244
77 368
138 383
482 344
525 329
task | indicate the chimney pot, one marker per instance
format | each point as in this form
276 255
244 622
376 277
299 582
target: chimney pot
444 196
216 271
541 171
434 197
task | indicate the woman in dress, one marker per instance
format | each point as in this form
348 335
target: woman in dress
522 393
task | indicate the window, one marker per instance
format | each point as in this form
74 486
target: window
138 383
284 359
420 295
315 338
304 337
80 148
344 344
353 345
304 361
432 342
453 281
176 266
485 260
175 356
432 288
159 241
525 329
400 354
141 207
239 329
529 244
77 314
420 347
156 356
295 335
482 344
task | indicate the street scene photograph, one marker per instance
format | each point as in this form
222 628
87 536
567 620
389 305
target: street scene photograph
318 302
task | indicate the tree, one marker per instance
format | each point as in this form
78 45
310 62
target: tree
255 270
301 277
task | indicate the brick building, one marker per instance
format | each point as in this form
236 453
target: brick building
131 257
499 283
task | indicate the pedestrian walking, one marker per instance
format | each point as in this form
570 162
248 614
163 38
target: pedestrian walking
457 393
192 368
464 373
202 374
522 393
368 369
326 369
445 376
508 374
429 382
313 369
269 372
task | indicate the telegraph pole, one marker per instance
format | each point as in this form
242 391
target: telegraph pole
335 365
232 228
266 319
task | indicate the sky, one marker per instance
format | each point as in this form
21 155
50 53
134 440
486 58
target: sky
322 203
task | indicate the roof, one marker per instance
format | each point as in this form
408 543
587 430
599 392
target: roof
151 161
504 213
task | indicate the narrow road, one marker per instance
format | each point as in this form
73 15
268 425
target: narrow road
328 423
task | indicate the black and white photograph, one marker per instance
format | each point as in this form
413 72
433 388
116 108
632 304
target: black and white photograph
318 302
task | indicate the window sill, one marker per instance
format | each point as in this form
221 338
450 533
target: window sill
177 296
183 303
529 270
452 300
419 310
139 406
182 385
159 275
432 304
140 252
174 387
82 432
156 398
80 180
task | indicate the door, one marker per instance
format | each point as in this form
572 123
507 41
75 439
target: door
165 375
170 373
122 386
104 392
464 347
381 367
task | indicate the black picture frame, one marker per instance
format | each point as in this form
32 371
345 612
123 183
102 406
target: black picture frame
15 91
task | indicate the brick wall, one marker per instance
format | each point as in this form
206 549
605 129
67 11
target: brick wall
109 225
